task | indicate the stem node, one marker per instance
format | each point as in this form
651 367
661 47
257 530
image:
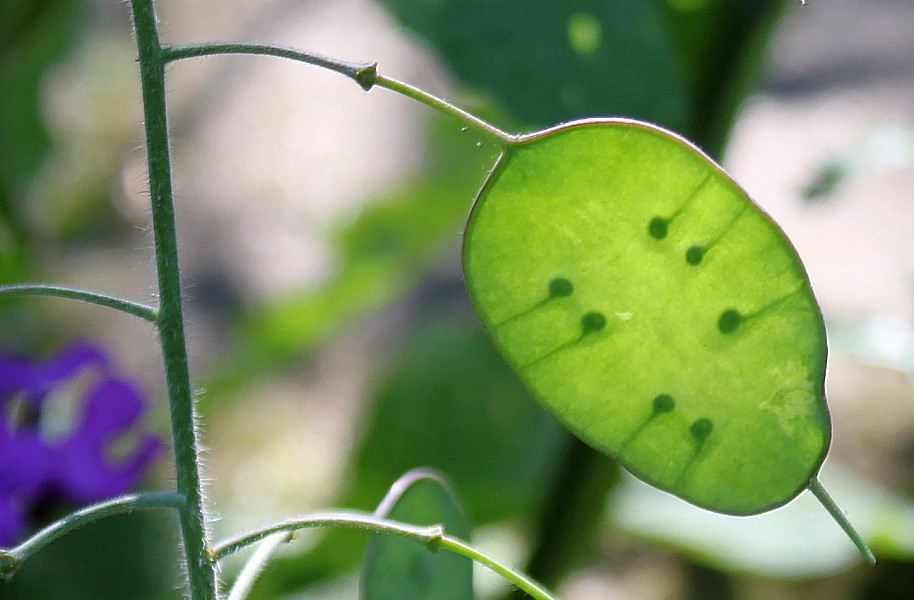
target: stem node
435 537
366 76
9 564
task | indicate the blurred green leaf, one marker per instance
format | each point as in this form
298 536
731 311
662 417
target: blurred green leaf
34 34
127 557
401 569
722 45
450 403
545 61
684 64
447 402
823 182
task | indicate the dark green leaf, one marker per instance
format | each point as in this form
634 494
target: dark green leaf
547 61
401 569
722 44
34 34
449 402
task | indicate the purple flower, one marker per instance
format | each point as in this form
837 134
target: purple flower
36 379
81 466
78 467
25 468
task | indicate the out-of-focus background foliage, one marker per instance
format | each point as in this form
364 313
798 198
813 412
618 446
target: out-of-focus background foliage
329 329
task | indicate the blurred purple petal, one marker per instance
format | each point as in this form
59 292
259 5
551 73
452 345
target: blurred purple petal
85 471
25 463
79 467
12 523
35 380
68 362
112 406
87 475
15 375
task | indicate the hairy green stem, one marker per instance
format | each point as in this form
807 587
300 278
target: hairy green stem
245 580
136 309
11 559
433 537
200 571
365 74
362 73
838 515
345 520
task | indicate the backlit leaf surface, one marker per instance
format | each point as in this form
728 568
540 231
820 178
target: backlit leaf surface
655 310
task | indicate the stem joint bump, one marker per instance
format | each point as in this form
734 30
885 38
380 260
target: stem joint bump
435 537
366 76
9 564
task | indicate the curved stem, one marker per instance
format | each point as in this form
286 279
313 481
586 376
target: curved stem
245 580
136 309
343 520
362 73
11 559
365 74
443 106
200 571
822 496
433 537
523 583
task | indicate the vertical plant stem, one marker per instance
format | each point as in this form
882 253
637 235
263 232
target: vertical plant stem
200 570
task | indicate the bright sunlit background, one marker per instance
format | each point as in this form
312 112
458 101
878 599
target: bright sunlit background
329 330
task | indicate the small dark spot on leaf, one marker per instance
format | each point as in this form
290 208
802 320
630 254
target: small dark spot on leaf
592 321
729 321
658 228
701 429
560 288
694 255
664 403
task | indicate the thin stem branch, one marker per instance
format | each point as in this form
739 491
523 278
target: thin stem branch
360 72
365 74
252 569
443 106
11 559
200 571
523 583
433 537
136 309
838 515
344 520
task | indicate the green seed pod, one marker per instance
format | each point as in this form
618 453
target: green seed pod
655 310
